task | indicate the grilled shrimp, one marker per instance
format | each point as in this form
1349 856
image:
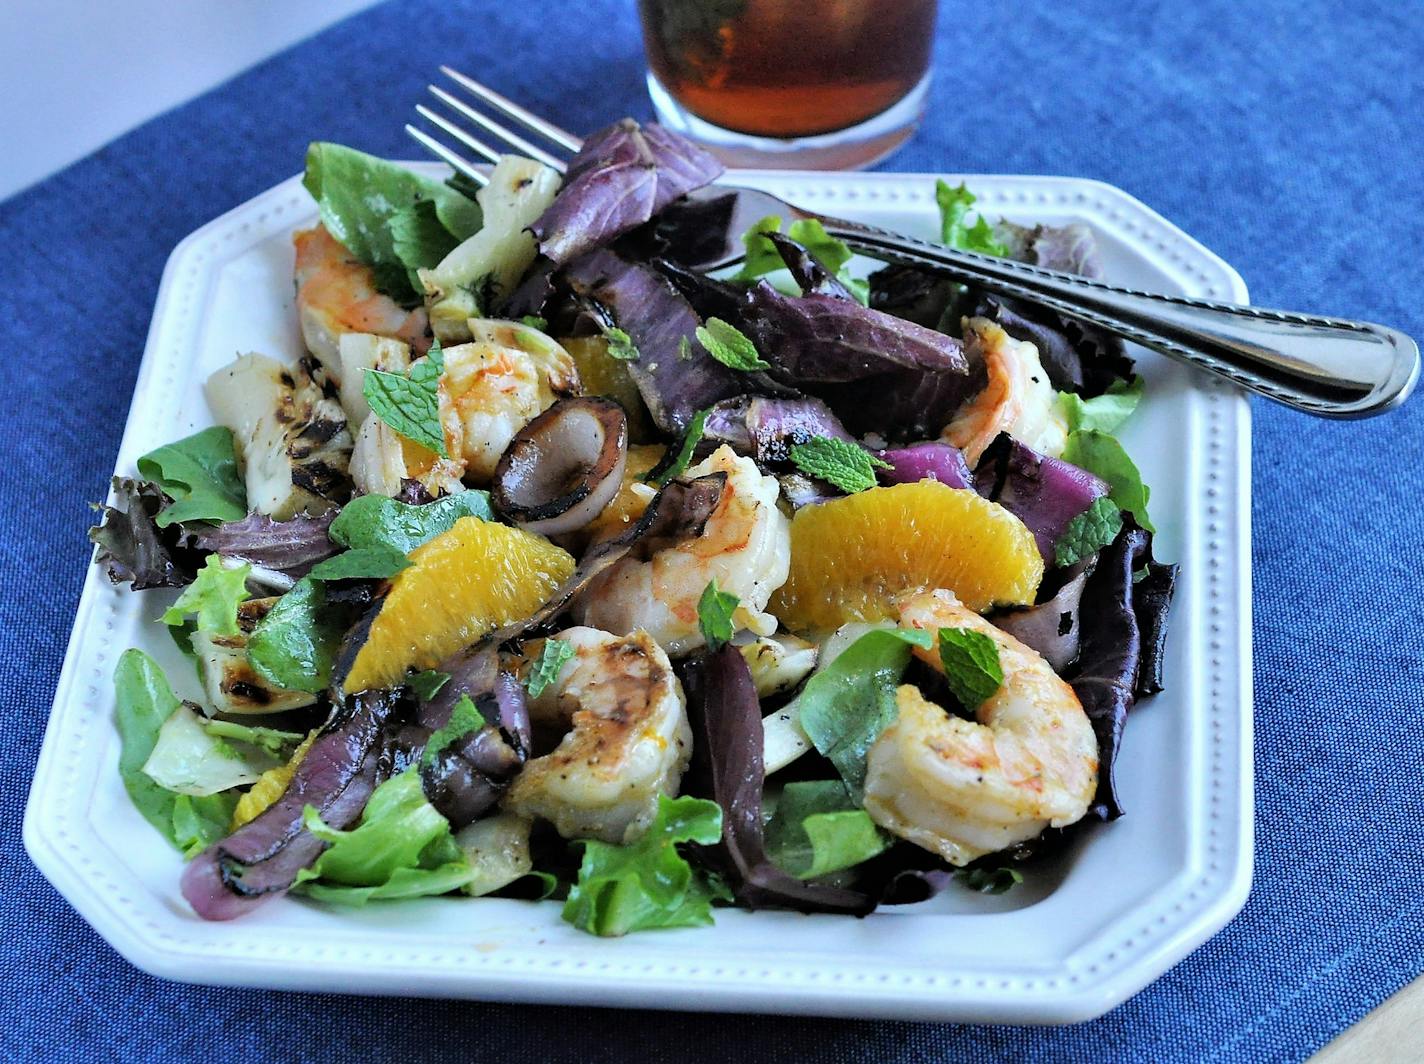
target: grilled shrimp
966 788
745 546
629 741
494 386
1018 398
337 295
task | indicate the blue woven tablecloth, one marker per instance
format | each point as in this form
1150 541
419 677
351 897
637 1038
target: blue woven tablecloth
1289 138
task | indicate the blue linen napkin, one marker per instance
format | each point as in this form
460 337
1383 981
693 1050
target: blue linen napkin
1287 138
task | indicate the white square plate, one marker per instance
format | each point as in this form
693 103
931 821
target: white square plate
1127 902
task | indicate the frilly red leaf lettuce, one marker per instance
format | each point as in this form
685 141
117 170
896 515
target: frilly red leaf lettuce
131 545
292 546
726 715
620 178
1111 676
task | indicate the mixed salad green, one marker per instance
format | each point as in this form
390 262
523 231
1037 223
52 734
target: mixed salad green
560 568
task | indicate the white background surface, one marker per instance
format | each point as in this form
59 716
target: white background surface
74 74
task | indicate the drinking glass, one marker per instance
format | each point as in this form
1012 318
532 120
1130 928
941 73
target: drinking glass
828 84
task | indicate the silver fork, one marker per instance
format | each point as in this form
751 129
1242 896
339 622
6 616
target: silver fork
1331 367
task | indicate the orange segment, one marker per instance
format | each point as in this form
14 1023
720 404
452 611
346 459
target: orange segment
602 374
852 557
460 586
633 496
270 786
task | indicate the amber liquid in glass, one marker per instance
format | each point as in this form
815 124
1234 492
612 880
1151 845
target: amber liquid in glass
788 68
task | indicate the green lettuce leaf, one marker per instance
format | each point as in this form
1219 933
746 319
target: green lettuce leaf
648 884
378 521
401 848
213 597
1106 412
844 707
675 462
1102 455
817 829
955 205
835 255
361 563
199 473
143 702
295 645
374 208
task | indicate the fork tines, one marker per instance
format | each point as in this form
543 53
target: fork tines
463 110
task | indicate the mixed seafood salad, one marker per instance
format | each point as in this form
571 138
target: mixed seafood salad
560 568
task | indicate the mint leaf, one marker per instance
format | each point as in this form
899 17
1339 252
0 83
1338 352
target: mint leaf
1089 532
620 345
199 473
817 829
213 597
410 403
465 718
143 702
846 465
375 562
294 646
714 615
990 880
971 665
402 848
379 521
553 655
675 463
954 208
647 883
1102 455
427 684
845 706
730 346
1106 412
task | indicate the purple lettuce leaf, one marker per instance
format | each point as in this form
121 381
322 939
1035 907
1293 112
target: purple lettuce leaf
1109 677
912 293
930 460
1044 493
1071 248
1052 627
726 716
260 860
620 178
1151 601
1077 357
133 548
292 546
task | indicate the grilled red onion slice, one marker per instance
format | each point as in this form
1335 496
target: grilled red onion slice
260 860
564 467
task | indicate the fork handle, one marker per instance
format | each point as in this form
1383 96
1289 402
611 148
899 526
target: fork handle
1325 366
